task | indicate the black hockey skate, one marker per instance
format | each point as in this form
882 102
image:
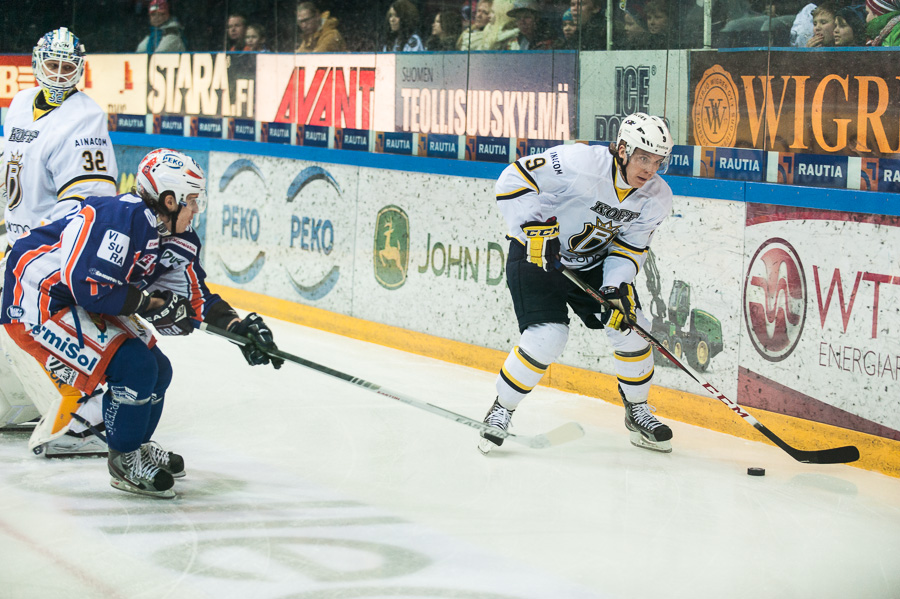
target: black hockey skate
130 472
497 417
646 431
169 461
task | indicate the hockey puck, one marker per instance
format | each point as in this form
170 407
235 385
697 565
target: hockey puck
756 471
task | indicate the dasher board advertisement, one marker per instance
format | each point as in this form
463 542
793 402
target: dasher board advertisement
522 95
352 91
839 102
202 84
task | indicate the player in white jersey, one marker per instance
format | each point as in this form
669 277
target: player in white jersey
594 210
56 152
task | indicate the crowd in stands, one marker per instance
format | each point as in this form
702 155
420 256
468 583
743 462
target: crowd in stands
487 25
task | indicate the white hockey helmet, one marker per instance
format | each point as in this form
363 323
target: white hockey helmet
62 47
165 170
647 132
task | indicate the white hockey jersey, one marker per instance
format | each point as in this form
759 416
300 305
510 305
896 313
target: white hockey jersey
601 218
54 159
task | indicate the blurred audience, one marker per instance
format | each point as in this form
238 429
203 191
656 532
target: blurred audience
532 33
569 38
318 30
591 21
635 35
656 13
255 38
823 25
445 30
400 28
491 28
235 31
165 30
802 29
883 28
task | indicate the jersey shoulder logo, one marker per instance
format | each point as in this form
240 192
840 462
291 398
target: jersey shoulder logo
113 247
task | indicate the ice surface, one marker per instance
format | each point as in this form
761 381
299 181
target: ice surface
303 486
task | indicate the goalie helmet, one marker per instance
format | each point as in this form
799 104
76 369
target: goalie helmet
649 133
58 63
167 171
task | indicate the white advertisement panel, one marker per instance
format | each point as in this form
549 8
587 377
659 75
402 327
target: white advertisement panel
615 84
117 82
283 228
433 257
354 91
822 316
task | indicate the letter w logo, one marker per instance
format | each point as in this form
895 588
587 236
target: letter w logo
714 114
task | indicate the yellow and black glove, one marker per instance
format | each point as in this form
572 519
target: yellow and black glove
621 299
542 243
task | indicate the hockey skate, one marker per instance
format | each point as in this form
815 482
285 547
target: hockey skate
646 431
169 461
130 472
86 444
497 417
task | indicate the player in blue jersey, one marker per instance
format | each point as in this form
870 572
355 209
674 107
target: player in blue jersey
594 209
74 288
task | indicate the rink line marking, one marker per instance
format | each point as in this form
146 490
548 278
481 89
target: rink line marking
877 453
89 581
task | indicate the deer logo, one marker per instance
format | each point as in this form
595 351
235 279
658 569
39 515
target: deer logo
391 247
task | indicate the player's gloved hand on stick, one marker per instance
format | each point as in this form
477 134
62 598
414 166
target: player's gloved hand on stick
255 329
542 243
173 317
621 298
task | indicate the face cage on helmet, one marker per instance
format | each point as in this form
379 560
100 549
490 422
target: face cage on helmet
60 83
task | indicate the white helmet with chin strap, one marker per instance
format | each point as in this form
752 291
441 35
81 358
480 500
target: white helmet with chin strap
61 46
647 132
165 171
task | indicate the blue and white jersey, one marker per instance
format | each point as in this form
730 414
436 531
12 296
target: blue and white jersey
91 258
602 219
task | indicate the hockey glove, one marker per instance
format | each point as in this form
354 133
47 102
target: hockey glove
542 243
621 299
173 317
260 336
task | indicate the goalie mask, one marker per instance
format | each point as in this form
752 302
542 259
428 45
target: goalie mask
166 171
649 133
58 63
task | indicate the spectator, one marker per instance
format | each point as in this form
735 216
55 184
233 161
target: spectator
823 25
636 35
489 30
569 39
235 31
318 30
165 30
467 14
445 30
657 15
850 27
532 35
589 17
402 20
883 16
255 38
802 29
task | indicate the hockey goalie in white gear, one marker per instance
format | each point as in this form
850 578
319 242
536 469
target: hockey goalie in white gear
46 176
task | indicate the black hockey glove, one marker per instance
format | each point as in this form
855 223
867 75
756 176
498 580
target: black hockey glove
173 317
623 313
260 336
542 243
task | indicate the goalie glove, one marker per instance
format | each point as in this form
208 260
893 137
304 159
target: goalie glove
260 339
623 310
173 317
542 243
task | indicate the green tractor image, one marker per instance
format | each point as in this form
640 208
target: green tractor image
700 342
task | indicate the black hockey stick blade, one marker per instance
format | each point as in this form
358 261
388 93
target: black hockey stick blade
561 434
836 455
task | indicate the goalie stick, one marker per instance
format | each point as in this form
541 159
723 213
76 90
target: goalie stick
835 455
561 434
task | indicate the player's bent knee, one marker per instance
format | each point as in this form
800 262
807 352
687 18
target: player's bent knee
544 342
133 371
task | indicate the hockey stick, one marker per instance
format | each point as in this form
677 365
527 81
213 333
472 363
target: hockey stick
836 455
561 434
